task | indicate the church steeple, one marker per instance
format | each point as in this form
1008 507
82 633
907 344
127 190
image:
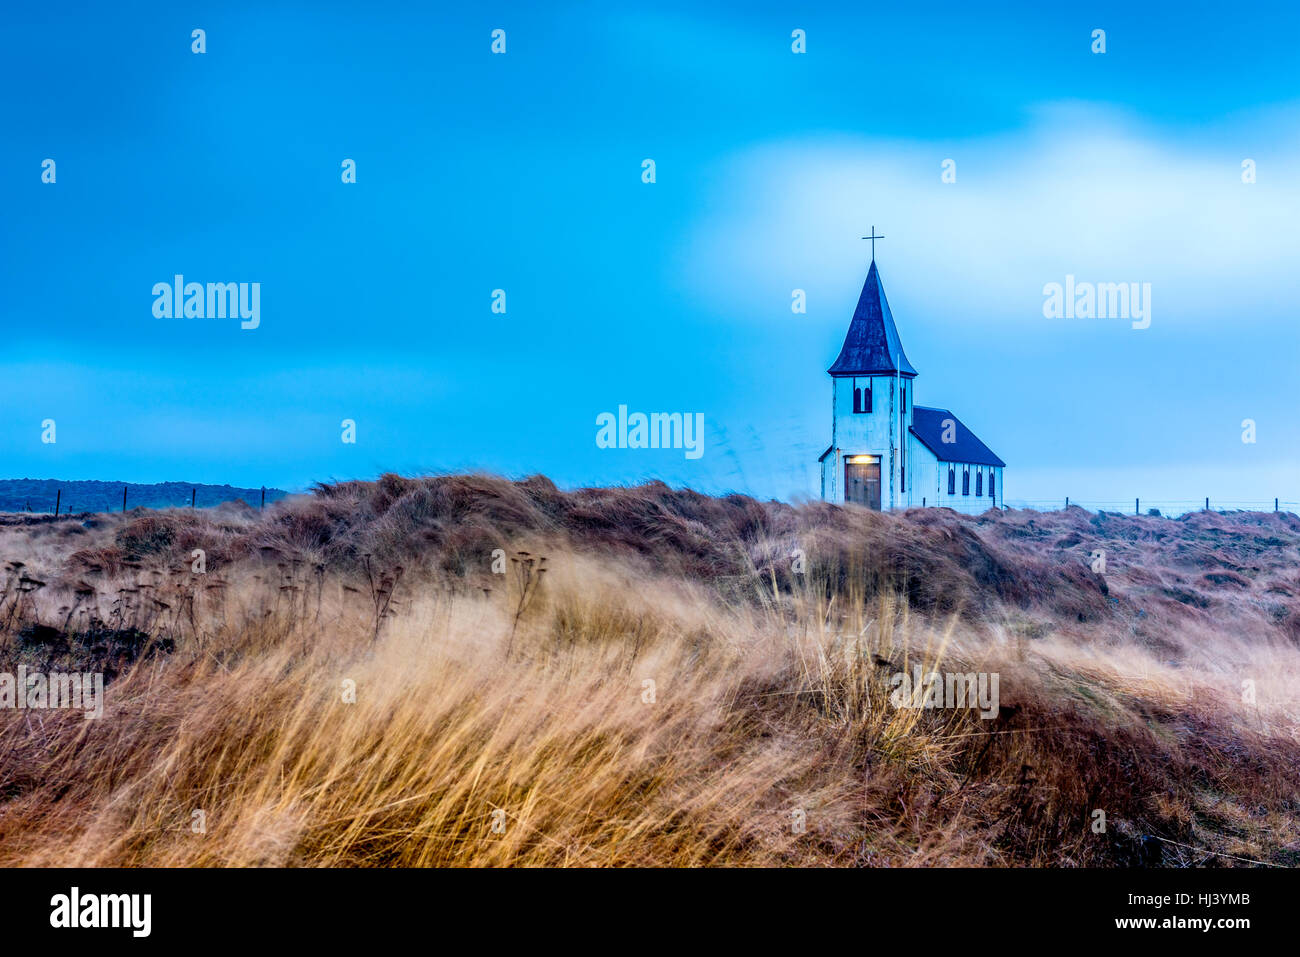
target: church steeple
872 346
886 451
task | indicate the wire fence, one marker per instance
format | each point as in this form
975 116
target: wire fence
975 505
1166 507
100 501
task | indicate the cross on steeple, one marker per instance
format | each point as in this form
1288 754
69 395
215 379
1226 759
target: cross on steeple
873 237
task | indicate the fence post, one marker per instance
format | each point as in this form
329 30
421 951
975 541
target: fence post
1137 509
1207 503
58 497
263 505
1067 503
1275 505
193 493
123 499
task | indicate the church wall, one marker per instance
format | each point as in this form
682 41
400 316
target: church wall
924 484
928 483
869 433
831 491
971 504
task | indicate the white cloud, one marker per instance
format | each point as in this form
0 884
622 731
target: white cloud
1081 190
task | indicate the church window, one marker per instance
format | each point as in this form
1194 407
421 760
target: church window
862 399
991 495
952 480
979 483
965 481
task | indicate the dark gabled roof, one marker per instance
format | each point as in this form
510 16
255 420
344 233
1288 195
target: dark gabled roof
927 425
822 457
872 345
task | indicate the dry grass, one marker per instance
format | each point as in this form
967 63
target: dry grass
497 726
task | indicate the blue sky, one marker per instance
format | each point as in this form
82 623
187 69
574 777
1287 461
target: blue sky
522 172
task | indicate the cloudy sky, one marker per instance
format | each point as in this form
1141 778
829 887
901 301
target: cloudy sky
522 171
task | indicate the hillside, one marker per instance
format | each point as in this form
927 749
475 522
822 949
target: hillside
470 671
39 495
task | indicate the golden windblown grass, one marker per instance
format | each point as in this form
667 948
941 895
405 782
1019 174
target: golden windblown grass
473 741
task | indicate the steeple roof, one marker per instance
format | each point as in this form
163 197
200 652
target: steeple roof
872 346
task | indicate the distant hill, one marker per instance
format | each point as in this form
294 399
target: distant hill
38 495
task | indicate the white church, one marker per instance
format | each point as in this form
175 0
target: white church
886 451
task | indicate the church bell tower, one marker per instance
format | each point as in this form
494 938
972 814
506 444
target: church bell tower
871 399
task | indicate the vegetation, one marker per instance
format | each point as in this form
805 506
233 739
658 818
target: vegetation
380 674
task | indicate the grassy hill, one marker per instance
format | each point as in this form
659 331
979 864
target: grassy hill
38 495
465 670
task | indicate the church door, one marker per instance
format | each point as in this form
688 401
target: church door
862 480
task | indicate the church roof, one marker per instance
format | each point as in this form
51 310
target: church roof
872 346
927 425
